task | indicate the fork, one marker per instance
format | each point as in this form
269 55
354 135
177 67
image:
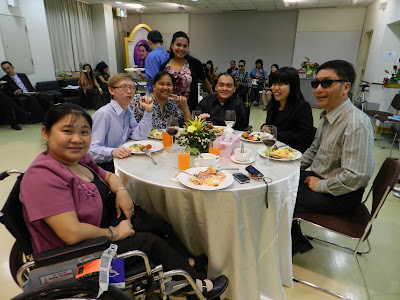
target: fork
148 152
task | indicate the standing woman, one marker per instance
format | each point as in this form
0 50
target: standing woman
288 110
165 105
187 70
91 89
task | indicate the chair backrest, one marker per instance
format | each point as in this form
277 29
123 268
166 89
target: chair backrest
396 102
386 177
13 218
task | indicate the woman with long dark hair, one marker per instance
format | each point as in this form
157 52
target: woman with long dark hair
187 70
91 89
288 110
266 93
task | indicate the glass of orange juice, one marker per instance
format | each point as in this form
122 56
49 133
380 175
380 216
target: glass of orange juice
212 149
184 159
166 139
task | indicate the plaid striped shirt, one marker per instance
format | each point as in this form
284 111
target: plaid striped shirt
242 77
342 153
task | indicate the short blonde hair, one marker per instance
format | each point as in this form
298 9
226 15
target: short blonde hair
115 79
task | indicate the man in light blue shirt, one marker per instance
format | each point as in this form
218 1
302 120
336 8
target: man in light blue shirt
155 58
114 123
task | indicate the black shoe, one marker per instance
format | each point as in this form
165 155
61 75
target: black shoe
15 127
219 286
200 262
300 244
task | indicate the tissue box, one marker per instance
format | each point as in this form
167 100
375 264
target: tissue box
226 147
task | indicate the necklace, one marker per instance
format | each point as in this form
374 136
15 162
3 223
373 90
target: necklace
82 172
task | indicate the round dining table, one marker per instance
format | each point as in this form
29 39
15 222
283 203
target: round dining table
243 239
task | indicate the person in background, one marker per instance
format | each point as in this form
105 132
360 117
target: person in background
155 58
165 105
232 68
102 77
211 74
9 111
341 157
114 123
288 110
266 93
242 81
187 70
21 91
91 89
258 76
80 192
217 104
143 51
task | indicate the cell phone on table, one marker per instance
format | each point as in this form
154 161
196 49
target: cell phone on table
241 178
254 172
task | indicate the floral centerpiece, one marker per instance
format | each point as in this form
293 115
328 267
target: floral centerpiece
196 135
394 79
310 66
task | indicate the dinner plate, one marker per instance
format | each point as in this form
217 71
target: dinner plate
184 179
261 152
152 134
220 128
245 162
247 140
156 146
134 69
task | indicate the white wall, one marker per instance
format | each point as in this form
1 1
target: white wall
38 36
383 39
103 31
326 34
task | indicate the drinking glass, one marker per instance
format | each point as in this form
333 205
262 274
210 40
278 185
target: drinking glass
195 113
269 135
172 130
230 118
212 149
184 159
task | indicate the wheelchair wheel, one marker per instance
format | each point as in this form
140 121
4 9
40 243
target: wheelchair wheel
72 289
17 259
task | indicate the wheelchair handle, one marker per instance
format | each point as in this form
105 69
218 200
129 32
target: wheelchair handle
5 174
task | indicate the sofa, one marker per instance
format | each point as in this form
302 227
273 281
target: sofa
58 88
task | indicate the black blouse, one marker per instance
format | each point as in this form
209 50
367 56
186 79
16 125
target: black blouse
297 130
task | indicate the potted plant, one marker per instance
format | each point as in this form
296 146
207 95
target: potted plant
310 67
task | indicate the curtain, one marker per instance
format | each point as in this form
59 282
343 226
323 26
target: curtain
71 33
120 29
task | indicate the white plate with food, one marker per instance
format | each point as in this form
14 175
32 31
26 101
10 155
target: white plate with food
283 154
219 130
252 137
206 179
137 147
244 162
155 134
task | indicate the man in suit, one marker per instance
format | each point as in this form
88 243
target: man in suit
20 89
11 112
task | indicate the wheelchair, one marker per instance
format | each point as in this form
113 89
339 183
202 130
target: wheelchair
256 90
51 274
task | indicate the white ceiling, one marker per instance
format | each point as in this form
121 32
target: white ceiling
219 6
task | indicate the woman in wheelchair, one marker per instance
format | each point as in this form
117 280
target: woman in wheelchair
63 192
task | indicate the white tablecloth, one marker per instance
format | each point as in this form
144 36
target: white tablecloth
248 243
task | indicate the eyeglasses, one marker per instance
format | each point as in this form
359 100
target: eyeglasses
325 83
240 66
125 88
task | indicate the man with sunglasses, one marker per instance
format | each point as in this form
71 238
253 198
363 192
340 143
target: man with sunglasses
341 157
114 123
242 81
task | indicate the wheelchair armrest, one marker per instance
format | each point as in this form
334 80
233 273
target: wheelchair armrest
65 253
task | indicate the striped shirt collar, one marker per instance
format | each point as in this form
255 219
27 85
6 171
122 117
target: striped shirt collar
332 116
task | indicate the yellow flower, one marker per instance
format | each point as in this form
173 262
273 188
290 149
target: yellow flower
191 128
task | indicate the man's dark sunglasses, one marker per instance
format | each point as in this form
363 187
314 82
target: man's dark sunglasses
241 66
325 83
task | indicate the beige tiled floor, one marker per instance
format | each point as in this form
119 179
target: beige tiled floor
325 265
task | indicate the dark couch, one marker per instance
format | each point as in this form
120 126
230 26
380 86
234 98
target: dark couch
55 87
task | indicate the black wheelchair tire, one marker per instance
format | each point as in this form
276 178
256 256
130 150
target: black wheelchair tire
16 260
72 288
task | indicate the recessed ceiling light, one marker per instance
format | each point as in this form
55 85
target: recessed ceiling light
118 2
194 0
134 5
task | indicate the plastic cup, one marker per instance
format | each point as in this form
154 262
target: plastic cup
166 139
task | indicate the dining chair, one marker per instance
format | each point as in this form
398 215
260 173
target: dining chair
383 116
356 225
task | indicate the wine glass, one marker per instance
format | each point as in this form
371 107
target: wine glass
172 130
230 118
195 113
269 135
